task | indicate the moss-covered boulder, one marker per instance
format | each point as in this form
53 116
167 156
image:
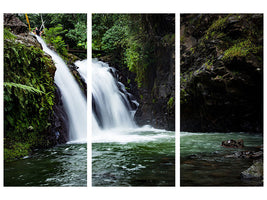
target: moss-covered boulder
255 171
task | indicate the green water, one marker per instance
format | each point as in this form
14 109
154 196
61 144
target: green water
63 165
135 159
203 161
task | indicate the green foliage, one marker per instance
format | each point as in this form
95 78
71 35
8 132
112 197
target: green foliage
130 40
113 38
218 77
34 18
78 35
73 24
23 87
28 98
8 35
133 60
240 49
218 25
169 38
170 103
17 150
100 24
182 39
53 37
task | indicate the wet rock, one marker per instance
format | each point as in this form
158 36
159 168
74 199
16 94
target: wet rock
59 121
233 143
255 171
246 154
16 26
81 82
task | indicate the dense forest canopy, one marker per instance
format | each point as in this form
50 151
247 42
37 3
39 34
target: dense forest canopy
61 30
131 39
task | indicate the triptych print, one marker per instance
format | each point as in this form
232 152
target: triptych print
134 129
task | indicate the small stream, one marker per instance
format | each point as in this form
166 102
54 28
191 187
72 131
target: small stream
203 161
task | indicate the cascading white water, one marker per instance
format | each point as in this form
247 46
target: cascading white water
111 108
114 109
82 68
73 99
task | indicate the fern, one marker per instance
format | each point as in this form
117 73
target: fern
23 87
8 35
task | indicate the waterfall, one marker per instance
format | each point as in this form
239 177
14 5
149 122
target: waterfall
113 106
73 99
82 68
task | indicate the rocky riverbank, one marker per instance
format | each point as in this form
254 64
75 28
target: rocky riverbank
255 171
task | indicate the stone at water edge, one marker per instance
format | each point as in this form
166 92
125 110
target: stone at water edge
254 171
246 154
233 143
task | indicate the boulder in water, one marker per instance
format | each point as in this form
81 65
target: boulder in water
246 154
233 143
255 171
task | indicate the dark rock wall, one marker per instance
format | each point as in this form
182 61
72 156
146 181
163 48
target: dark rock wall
157 105
59 121
221 72
157 94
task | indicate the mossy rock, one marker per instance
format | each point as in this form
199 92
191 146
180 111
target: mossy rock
255 171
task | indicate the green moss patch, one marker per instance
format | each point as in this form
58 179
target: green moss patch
241 49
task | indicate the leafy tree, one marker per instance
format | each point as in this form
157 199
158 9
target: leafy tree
73 25
53 36
78 35
132 39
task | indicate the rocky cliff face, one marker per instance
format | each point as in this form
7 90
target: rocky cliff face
157 99
157 94
221 72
